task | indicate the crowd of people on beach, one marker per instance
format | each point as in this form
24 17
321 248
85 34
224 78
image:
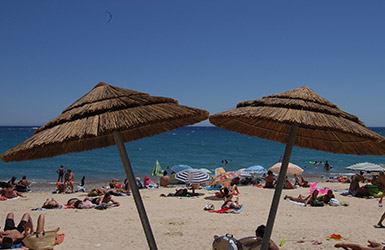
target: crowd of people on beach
102 197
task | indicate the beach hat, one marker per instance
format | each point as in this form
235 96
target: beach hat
146 178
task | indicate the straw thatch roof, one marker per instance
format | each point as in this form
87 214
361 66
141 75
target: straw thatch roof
322 125
89 122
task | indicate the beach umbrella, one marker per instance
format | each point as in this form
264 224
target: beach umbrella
224 178
366 166
180 167
157 170
219 171
302 118
205 170
192 176
105 116
292 169
258 169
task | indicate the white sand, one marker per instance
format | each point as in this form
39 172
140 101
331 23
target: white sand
183 224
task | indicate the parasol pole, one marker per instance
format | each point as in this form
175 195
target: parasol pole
135 191
279 186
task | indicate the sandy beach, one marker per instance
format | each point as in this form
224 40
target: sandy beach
183 224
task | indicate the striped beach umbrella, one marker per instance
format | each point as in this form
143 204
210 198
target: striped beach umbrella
192 176
157 170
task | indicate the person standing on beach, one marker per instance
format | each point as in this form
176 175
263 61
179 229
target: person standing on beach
61 171
69 178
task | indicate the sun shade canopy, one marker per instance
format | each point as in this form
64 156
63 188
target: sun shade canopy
321 124
89 123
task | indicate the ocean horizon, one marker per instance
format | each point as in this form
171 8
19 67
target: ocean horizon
196 146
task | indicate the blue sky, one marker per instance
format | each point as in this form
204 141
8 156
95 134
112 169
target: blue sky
209 54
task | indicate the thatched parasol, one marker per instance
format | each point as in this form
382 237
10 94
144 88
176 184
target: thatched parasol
302 118
105 116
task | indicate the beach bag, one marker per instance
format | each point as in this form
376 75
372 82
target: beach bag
334 202
227 242
317 203
40 241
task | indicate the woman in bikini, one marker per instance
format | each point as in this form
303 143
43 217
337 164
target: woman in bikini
50 203
307 200
326 197
231 204
105 199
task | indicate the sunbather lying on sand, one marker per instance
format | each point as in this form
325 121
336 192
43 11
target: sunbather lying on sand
102 191
81 204
105 199
229 203
326 197
181 192
372 246
50 203
304 199
9 193
14 235
301 183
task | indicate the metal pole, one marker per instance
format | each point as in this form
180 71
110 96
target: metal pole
135 191
278 188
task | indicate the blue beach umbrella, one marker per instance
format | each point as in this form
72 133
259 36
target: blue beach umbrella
192 176
180 167
258 169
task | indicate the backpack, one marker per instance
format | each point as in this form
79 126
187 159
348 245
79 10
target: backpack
226 242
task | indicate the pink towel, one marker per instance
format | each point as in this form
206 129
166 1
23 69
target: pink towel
313 186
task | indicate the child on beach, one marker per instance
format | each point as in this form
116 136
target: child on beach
61 171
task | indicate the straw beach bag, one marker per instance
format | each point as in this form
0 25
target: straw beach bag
40 241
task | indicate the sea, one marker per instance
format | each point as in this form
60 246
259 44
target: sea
198 147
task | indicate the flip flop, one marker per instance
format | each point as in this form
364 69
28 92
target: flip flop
379 226
61 238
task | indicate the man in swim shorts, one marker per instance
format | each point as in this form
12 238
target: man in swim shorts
12 234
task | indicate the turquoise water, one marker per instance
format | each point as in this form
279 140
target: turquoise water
199 147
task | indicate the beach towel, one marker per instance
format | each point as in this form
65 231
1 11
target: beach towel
313 186
296 203
3 198
227 210
42 208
